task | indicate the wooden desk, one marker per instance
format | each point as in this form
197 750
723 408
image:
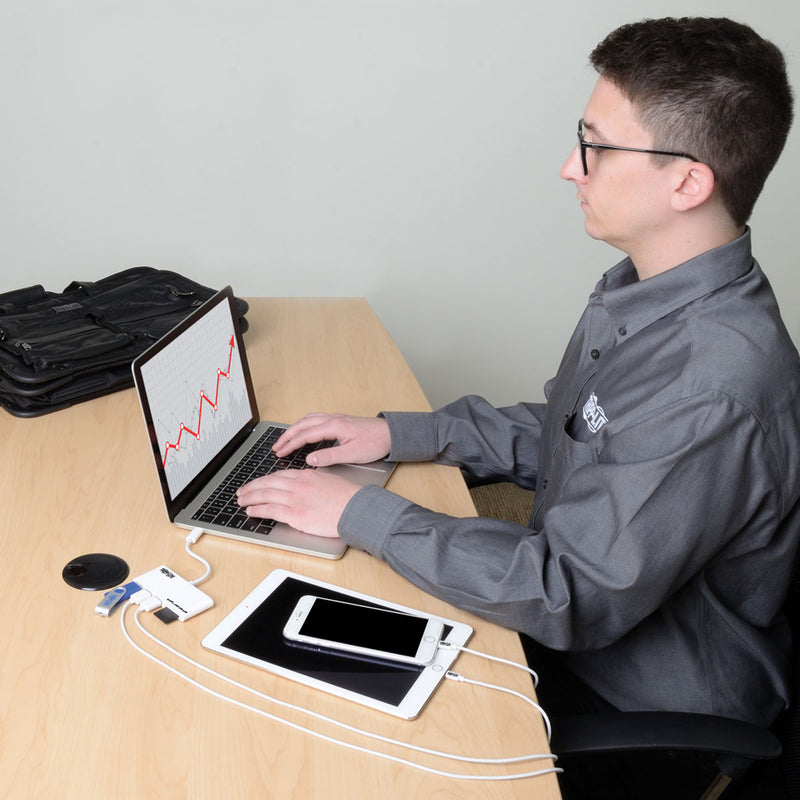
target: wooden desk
82 714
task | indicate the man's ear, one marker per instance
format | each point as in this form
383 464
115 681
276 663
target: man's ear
694 185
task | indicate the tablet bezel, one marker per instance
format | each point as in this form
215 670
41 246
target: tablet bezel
415 696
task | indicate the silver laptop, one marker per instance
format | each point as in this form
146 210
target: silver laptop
200 410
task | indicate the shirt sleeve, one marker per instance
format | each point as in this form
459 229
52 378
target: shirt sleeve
487 442
622 528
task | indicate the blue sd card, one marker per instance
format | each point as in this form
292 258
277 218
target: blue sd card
114 597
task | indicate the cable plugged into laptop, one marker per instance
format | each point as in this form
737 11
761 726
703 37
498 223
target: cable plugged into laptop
194 535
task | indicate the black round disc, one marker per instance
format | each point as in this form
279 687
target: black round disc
95 571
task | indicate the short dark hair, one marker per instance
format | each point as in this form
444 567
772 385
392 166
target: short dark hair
708 86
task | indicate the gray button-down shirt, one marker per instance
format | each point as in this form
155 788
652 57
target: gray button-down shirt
666 464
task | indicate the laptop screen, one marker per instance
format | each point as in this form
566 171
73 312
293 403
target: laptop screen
196 393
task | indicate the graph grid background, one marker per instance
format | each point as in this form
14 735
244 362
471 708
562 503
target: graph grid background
182 383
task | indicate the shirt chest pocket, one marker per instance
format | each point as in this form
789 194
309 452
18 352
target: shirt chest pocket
568 456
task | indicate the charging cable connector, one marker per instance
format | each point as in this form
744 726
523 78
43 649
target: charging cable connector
179 598
497 659
145 600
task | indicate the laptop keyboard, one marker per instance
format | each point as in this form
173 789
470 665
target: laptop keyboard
221 507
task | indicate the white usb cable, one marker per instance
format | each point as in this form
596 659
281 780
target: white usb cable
455 676
337 723
193 536
516 664
146 602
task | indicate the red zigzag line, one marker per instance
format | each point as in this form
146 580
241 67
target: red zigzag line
203 397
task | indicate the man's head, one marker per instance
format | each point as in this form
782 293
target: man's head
710 87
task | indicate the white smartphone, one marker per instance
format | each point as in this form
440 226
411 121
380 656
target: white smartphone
364 630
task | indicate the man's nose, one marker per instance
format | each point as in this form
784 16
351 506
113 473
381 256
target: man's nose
572 169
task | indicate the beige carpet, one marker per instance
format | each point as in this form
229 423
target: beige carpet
503 501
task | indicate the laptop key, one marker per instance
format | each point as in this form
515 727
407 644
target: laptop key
265 526
238 521
251 524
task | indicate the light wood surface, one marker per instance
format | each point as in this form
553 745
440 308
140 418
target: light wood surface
83 715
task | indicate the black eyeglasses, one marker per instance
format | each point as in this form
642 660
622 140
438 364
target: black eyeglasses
584 145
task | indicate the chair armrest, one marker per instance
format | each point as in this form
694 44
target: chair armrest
662 730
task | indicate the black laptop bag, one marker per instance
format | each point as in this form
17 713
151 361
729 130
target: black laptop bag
58 349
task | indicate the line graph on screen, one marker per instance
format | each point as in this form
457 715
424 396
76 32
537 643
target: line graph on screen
197 395
176 445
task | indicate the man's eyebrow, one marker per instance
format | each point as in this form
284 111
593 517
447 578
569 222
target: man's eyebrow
592 128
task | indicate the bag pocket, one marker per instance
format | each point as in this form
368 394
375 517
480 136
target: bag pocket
64 347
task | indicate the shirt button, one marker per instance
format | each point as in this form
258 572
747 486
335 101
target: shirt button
622 331
595 354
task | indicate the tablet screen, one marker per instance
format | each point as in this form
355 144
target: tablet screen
261 637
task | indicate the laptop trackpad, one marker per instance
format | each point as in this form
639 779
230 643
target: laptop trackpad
363 474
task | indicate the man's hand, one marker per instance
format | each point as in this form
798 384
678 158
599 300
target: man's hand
360 439
308 500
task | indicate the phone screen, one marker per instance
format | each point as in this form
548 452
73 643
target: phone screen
364 626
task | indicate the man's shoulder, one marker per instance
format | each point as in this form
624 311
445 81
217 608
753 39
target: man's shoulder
729 341
738 343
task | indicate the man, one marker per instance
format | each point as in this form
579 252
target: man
665 461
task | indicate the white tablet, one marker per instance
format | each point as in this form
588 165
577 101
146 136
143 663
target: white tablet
253 633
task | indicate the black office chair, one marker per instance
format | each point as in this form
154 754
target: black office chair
737 744
756 763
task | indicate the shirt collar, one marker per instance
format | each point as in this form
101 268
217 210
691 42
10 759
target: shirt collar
633 304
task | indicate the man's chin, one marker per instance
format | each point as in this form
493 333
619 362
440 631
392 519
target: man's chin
591 229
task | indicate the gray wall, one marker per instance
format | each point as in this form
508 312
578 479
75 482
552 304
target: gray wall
403 150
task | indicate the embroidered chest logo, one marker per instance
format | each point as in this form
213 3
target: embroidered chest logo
593 414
